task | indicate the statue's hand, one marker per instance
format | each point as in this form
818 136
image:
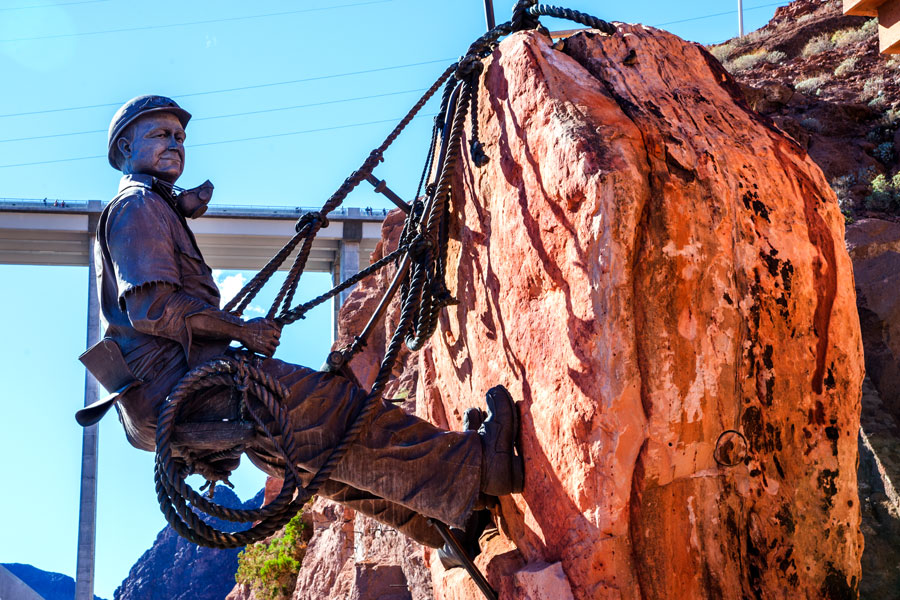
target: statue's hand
261 336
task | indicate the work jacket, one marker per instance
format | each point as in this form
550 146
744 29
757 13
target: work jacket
151 280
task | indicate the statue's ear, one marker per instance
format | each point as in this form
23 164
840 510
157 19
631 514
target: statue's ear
124 146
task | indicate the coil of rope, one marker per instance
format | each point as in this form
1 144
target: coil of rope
420 260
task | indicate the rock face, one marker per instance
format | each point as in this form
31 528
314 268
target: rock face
350 555
176 569
878 476
874 246
659 275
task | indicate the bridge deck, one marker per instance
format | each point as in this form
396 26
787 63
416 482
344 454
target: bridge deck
33 232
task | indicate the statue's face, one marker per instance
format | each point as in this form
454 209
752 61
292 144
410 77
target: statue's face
154 146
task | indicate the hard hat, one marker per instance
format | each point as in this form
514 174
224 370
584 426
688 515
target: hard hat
131 110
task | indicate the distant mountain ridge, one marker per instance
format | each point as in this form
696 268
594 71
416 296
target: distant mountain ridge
51 586
175 569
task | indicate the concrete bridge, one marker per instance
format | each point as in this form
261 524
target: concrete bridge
55 232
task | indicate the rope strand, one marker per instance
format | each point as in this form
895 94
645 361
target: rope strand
422 295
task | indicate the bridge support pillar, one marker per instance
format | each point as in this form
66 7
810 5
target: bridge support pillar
87 507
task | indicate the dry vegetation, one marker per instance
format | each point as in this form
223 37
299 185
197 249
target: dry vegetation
832 60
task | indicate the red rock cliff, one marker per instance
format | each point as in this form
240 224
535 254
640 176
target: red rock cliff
660 276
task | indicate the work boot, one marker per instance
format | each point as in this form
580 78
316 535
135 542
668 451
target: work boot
502 471
473 418
478 520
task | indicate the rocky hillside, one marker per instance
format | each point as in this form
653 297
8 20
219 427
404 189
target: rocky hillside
819 76
176 569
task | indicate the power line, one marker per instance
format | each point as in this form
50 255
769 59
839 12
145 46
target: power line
237 89
189 23
729 12
240 114
231 141
275 135
49 5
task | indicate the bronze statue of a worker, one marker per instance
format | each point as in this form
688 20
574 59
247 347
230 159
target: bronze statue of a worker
160 306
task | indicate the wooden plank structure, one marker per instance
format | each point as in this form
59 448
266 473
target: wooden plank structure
888 14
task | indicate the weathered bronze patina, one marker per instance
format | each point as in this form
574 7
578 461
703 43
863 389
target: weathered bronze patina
160 305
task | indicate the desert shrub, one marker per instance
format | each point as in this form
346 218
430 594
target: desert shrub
841 186
745 62
880 133
884 152
820 43
811 124
872 89
722 51
848 37
885 194
805 18
810 85
891 117
775 56
870 27
270 568
846 67
750 38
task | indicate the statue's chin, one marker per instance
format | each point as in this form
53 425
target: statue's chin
168 175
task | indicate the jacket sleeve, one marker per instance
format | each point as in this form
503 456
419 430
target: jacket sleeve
163 310
142 250
141 243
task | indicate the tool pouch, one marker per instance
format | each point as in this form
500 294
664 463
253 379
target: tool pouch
105 362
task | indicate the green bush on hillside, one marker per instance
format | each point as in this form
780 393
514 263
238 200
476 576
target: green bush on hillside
745 62
884 152
846 67
816 45
872 89
270 568
848 37
885 194
810 85
722 51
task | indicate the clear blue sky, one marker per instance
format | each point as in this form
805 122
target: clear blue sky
70 63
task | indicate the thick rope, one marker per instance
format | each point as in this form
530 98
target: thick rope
572 15
423 295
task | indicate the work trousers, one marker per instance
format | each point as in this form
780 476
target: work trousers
399 471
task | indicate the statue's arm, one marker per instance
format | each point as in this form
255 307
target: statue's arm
164 310
142 248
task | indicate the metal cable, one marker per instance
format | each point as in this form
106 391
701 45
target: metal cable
423 295
300 310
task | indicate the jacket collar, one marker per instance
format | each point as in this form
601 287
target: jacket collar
136 180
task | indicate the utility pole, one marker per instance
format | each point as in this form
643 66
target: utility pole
740 18
489 13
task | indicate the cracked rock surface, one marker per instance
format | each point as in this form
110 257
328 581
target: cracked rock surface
659 275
